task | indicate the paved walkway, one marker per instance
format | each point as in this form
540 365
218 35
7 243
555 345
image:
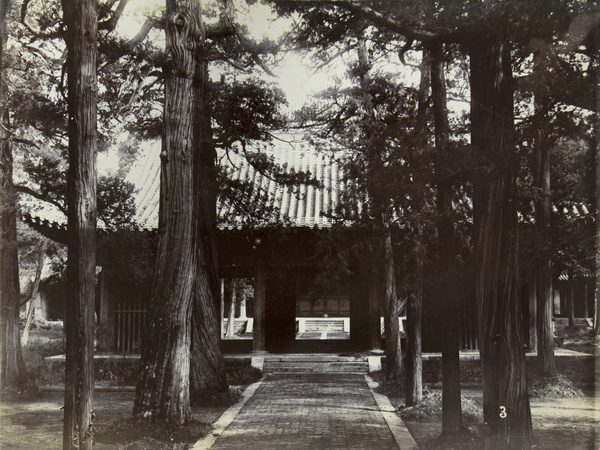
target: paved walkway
310 411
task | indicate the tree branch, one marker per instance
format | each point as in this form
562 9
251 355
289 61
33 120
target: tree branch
111 23
406 30
40 196
37 34
226 27
131 44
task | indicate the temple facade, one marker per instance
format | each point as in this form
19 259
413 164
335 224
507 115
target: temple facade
287 301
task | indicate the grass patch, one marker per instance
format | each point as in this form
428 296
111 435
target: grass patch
463 440
40 371
390 388
241 373
558 386
139 434
117 372
216 398
430 409
580 339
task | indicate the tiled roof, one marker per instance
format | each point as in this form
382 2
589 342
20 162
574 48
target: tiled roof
304 205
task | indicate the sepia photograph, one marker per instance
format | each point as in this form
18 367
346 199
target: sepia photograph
299 224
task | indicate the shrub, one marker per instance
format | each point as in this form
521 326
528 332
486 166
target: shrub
45 372
430 409
117 372
558 386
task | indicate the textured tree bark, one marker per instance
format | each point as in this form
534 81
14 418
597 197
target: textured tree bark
545 335
207 362
12 366
414 315
81 38
596 143
414 360
597 217
597 309
163 391
451 396
393 348
507 414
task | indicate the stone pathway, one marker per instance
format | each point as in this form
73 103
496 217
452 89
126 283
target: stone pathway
310 411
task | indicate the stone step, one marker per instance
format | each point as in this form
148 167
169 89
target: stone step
314 366
319 358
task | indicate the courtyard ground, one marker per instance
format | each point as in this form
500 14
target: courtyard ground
559 423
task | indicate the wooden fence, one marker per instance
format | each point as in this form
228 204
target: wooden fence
130 322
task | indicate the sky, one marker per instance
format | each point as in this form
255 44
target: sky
295 74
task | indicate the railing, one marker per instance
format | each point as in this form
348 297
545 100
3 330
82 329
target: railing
130 321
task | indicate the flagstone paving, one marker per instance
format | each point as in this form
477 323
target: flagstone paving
311 411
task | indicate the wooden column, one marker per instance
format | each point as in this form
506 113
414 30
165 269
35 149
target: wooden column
258 330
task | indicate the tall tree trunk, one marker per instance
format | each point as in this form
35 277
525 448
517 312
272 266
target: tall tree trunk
596 144
12 366
596 309
81 38
414 320
35 290
545 335
207 364
451 397
393 348
391 305
414 316
505 397
163 390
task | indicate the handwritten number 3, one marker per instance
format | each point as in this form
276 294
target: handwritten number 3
503 412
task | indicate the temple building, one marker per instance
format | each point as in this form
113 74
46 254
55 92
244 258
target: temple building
275 294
